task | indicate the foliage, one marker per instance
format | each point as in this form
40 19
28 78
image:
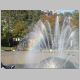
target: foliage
12 19
17 23
19 29
75 18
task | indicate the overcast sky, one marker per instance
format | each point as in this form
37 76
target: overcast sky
62 10
59 11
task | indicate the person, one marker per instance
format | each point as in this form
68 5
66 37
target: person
7 66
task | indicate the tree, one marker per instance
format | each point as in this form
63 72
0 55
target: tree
75 18
19 29
67 14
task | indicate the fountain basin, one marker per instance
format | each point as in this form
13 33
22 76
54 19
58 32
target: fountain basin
57 62
40 60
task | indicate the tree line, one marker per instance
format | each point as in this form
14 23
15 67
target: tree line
17 23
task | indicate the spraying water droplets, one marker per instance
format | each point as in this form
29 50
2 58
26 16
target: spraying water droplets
43 37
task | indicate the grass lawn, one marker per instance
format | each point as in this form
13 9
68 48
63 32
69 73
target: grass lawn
11 49
8 48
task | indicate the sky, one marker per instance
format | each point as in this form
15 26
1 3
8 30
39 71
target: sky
60 10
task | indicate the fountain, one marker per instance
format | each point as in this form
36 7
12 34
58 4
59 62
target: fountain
56 34
64 37
43 38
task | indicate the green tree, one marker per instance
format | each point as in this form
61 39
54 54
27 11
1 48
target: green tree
75 18
19 29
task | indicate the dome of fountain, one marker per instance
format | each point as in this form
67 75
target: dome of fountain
56 62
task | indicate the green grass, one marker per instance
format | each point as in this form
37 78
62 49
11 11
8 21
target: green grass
8 48
11 48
